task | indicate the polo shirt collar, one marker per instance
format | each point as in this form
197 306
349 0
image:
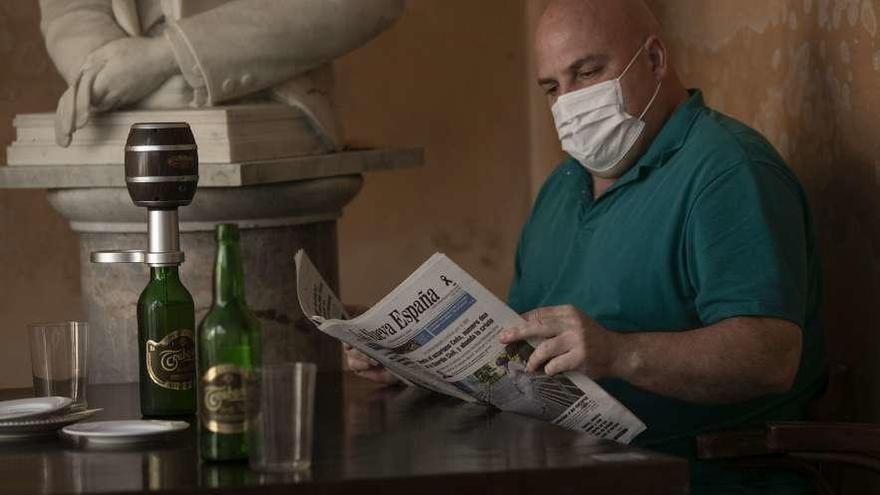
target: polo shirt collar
670 138
674 133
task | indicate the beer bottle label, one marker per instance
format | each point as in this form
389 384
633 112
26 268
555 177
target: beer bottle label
223 399
171 361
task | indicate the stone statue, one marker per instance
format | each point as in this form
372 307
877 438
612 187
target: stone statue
165 54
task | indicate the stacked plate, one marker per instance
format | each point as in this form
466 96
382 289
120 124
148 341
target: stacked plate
39 416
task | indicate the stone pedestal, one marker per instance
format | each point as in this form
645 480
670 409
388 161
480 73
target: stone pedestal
225 135
276 219
281 205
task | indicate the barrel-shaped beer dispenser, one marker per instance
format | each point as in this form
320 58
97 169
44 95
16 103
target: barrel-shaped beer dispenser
162 173
161 165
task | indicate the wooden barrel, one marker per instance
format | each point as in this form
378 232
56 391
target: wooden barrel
161 164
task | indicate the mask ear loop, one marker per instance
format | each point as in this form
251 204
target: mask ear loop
659 83
631 62
650 103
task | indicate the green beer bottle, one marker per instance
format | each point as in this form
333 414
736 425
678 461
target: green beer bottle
166 319
229 348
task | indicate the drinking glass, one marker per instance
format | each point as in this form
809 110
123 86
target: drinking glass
59 360
281 401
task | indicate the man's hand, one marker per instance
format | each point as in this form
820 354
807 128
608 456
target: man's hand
360 363
367 368
128 69
734 360
574 342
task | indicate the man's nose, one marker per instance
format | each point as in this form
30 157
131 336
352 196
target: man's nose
565 88
571 86
562 89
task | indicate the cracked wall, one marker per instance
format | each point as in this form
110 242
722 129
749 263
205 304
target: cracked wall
806 73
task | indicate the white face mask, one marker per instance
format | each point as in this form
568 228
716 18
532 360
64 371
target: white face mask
593 124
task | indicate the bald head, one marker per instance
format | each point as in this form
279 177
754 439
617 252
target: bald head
605 22
605 31
581 43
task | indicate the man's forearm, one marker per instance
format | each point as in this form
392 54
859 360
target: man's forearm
732 361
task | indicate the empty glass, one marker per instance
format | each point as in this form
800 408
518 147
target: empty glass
58 359
280 410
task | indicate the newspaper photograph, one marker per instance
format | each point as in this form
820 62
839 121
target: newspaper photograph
439 330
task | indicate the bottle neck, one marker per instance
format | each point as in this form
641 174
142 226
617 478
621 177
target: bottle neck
228 274
165 274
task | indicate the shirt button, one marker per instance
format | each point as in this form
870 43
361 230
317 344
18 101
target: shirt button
246 80
228 86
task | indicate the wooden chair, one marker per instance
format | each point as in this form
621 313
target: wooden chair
808 447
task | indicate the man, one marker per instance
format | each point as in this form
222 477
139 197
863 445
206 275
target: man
672 258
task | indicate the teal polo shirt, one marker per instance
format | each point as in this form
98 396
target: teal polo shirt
709 224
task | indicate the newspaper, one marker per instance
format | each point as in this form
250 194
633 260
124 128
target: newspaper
439 330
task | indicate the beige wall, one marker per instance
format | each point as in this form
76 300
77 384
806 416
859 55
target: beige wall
448 76
39 261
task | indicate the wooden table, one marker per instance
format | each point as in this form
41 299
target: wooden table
368 440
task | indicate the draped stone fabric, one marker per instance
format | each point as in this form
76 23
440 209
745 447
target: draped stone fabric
228 50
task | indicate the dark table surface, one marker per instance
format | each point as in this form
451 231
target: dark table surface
368 439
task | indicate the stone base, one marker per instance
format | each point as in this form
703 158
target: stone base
276 219
110 294
212 175
240 133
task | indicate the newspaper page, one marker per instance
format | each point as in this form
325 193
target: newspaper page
321 305
439 329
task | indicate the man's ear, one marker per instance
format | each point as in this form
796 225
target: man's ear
658 56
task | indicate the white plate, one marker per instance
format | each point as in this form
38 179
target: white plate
123 432
32 408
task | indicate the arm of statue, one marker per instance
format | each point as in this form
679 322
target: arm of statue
73 29
104 67
128 69
117 74
243 47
